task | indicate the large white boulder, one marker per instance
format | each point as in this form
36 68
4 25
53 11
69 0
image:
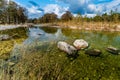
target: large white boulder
80 44
70 50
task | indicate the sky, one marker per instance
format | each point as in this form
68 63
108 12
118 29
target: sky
37 8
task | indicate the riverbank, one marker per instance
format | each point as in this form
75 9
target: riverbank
89 26
12 26
5 27
17 35
94 26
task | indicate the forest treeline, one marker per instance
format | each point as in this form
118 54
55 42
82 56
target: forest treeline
13 13
113 16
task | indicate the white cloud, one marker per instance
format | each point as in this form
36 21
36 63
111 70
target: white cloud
85 7
89 15
115 4
76 6
54 8
92 6
34 12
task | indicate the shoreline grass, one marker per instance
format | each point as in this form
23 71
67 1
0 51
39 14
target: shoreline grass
18 36
91 26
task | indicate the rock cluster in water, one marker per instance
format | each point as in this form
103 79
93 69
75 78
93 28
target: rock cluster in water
80 44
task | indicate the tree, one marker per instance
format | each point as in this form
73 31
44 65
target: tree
97 18
67 16
105 17
12 13
21 13
2 3
48 17
114 16
78 17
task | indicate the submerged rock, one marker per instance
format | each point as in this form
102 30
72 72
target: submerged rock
93 52
113 50
70 50
80 44
4 37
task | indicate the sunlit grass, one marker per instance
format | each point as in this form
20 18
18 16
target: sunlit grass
94 26
18 35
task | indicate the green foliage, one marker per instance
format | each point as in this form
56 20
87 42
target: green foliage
12 13
48 17
112 17
67 16
52 17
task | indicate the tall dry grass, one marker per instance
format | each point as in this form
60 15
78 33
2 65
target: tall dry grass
91 25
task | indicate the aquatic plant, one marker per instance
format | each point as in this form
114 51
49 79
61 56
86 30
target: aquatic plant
44 61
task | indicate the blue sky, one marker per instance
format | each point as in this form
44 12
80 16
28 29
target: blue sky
37 8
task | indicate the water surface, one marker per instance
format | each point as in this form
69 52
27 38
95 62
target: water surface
96 39
39 54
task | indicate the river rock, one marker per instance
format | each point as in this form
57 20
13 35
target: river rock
80 44
4 37
113 50
70 50
93 52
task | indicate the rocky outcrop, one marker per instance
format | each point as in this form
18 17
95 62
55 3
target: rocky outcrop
70 50
80 44
4 37
93 52
113 50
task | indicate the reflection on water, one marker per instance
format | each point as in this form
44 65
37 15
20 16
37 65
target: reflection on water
41 39
37 34
49 30
38 39
98 39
